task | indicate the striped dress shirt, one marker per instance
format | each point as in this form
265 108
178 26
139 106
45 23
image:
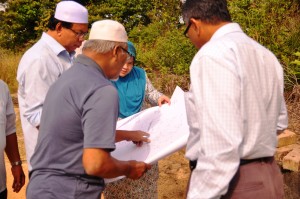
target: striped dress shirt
235 106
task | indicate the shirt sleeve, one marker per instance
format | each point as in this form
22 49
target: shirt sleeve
151 95
100 113
217 94
283 117
37 80
10 116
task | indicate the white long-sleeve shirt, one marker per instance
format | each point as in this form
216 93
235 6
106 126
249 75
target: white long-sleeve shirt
38 69
234 107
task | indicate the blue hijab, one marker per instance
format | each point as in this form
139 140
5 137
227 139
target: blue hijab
131 88
131 91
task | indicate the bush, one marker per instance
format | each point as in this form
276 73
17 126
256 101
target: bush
292 72
169 53
273 23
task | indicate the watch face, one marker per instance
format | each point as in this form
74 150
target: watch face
16 163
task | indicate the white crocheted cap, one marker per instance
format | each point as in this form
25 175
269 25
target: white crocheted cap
109 30
71 11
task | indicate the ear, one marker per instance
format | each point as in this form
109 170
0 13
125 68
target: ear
115 52
196 25
58 28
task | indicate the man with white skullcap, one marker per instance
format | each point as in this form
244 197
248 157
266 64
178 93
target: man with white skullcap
78 125
44 62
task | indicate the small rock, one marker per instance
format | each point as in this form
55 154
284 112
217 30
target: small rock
292 160
283 151
287 138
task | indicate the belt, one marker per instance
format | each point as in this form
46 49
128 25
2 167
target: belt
263 159
193 163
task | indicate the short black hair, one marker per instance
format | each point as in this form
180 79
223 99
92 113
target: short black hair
53 22
209 11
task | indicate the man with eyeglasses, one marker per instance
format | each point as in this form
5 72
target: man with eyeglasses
235 108
44 62
78 125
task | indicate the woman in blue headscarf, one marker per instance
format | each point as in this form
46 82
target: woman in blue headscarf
134 88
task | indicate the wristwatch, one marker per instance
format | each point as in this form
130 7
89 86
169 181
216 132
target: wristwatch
17 163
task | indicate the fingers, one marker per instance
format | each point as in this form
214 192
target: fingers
146 139
163 99
138 169
17 187
138 144
19 178
144 134
141 136
148 166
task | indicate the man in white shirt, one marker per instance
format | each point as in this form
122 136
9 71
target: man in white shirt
44 62
235 108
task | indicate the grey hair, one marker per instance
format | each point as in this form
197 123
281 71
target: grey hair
101 46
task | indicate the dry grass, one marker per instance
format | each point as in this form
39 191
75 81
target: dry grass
8 68
293 106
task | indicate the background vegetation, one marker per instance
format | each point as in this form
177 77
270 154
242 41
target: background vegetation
155 27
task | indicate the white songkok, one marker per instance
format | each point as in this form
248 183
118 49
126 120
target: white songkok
71 11
109 30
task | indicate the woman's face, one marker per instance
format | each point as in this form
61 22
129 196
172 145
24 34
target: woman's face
127 67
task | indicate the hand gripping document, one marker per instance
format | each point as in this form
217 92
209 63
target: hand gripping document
168 129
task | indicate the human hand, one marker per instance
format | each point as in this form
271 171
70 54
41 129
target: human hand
163 99
139 137
19 178
137 169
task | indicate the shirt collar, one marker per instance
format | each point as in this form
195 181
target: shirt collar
55 46
84 60
227 28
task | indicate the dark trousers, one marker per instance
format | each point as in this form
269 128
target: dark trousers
3 194
256 180
259 180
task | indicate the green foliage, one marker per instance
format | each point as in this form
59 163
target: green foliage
153 25
168 53
23 21
130 13
273 23
294 69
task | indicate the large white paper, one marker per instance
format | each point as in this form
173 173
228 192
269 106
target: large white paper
168 129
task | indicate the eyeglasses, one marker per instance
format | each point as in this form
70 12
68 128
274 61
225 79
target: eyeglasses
185 33
78 34
128 54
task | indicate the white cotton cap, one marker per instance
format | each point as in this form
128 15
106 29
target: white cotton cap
109 30
71 11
